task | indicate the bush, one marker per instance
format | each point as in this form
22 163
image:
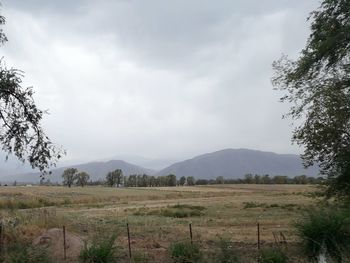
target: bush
273 255
227 253
102 251
185 252
182 211
139 257
325 230
25 253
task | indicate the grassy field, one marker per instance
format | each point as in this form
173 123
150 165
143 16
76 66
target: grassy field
159 216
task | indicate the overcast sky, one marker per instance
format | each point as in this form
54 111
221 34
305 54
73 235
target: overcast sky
155 78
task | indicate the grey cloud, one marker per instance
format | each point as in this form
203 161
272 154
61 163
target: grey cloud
157 78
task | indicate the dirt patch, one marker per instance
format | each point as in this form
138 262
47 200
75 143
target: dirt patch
53 241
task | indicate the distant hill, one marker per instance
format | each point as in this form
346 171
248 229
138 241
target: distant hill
96 170
235 163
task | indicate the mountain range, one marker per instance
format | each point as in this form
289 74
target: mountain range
230 163
235 163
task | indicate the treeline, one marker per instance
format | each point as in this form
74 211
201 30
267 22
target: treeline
116 178
171 180
263 179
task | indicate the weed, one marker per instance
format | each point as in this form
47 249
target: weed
182 211
227 253
325 230
103 251
273 255
25 253
139 257
185 252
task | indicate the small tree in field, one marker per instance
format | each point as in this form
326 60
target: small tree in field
114 178
171 179
82 178
182 180
190 180
69 176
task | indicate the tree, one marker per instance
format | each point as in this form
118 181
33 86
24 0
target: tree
182 180
248 178
21 132
220 180
171 180
190 180
266 179
318 86
132 180
69 176
114 178
82 178
280 179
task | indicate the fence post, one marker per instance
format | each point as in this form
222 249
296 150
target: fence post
190 225
127 227
64 243
258 225
1 239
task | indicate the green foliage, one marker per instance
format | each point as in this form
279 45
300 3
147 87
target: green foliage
247 205
69 176
25 253
318 86
171 180
21 133
227 253
273 255
190 180
185 252
183 211
100 251
114 178
82 178
182 180
325 229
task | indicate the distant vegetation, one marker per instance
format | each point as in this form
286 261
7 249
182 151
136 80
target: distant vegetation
114 178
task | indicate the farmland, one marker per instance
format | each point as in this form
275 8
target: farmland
160 216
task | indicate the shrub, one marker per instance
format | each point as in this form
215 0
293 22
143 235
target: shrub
139 257
102 251
25 253
227 253
273 255
182 211
185 252
325 230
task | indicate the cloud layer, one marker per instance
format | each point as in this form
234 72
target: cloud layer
161 79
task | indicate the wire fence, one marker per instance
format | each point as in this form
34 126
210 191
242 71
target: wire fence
146 239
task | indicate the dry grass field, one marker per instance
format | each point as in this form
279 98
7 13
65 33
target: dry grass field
159 216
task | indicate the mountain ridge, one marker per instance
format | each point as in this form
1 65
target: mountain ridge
97 170
235 163
230 163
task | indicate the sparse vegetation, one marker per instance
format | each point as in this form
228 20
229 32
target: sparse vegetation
100 251
182 211
273 255
21 252
325 231
159 216
185 252
227 253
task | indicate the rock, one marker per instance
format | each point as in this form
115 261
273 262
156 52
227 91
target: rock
53 241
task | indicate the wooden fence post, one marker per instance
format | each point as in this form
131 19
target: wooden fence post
64 243
190 225
1 239
258 225
127 227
